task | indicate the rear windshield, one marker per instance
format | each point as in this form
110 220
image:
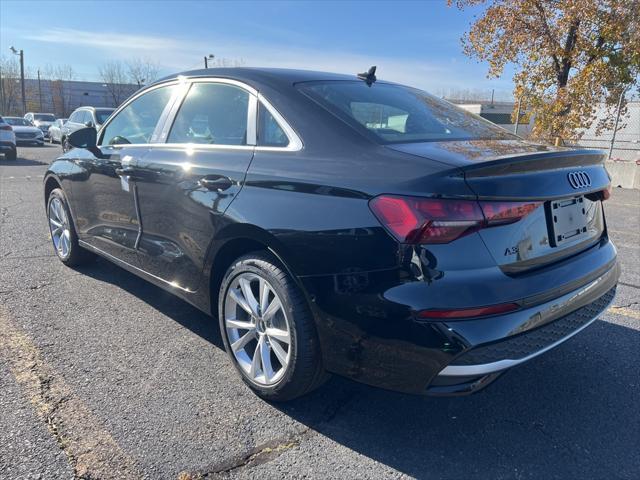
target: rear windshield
102 115
398 114
44 117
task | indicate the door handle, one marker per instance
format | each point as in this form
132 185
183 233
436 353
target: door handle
132 173
215 182
125 171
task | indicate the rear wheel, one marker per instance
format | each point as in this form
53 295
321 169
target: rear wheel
63 232
268 329
12 154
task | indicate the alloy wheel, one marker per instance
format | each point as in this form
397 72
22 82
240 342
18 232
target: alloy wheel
257 328
59 226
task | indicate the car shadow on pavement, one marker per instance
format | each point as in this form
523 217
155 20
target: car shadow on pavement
168 304
21 162
570 413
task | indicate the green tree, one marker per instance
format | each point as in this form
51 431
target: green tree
569 55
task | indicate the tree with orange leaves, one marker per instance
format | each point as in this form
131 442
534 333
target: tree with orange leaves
570 56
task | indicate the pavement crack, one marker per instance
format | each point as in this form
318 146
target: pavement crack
271 450
628 305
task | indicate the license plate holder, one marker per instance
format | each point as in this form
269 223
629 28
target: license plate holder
567 220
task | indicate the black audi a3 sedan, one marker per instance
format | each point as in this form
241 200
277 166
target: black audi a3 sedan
341 224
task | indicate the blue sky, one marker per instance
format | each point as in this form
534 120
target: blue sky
417 43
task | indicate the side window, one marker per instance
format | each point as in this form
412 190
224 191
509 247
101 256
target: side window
212 113
82 117
74 117
270 134
136 122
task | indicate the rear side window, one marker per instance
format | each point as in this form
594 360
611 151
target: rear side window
270 134
136 122
213 114
397 114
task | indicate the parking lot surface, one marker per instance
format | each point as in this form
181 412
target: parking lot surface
103 375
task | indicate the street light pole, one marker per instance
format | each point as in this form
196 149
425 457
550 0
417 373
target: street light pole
207 58
24 101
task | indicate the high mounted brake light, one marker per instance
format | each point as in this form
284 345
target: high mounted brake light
417 220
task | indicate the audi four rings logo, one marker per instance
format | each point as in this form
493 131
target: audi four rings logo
579 179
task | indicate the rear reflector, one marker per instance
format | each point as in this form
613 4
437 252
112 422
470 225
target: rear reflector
417 220
468 312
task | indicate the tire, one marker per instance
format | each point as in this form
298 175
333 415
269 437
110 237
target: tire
12 154
65 242
65 145
303 371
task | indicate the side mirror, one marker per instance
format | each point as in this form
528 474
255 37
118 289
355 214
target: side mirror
84 138
88 124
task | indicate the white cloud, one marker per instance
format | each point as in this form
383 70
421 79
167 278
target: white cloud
107 41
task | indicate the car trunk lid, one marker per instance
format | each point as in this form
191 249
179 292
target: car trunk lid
566 185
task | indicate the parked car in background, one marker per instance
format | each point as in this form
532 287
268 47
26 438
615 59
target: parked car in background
26 133
342 224
41 120
55 130
7 141
83 117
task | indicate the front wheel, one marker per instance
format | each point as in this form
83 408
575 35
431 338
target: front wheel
268 330
65 145
63 232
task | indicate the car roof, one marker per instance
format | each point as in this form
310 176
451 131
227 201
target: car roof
88 107
259 75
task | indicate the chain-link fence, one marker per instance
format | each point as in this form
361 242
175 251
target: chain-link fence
624 144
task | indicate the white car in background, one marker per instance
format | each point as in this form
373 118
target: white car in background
55 130
7 141
26 134
41 120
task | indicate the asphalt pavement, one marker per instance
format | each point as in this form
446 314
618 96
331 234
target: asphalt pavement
103 375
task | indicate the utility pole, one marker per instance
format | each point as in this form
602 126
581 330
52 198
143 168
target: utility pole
1 92
40 91
615 127
24 100
515 128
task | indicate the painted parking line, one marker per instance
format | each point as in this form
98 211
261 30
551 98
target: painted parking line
624 311
90 449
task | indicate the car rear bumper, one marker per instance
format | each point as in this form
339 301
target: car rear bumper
478 366
370 339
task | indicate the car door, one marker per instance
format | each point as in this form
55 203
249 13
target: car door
104 194
185 185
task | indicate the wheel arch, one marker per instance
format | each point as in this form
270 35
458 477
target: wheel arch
238 240
51 182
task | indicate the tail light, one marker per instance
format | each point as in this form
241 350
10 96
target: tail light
6 126
417 220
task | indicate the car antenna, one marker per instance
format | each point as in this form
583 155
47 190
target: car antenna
369 77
